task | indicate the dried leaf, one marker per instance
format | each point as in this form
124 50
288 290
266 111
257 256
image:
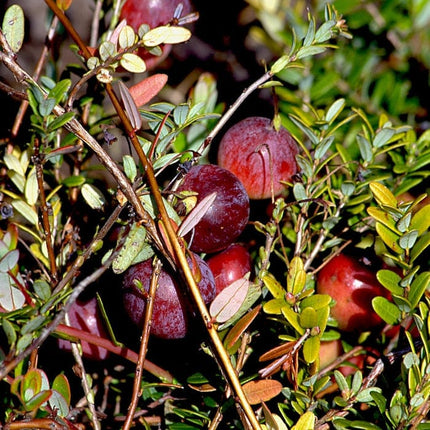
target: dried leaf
261 391
239 328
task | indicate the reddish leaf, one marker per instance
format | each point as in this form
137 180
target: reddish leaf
235 333
148 88
261 391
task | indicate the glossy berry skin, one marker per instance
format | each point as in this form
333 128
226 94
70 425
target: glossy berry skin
84 315
229 213
154 13
172 310
229 265
259 156
353 286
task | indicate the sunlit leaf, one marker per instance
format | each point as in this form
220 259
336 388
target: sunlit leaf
274 286
133 244
127 37
229 300
13 27
305 422
31 190
296 278
166 34
390 280
133 63
390 238
387 310
419 286
421 220
383 195
261 391
311 349
93 196
194 217
26 211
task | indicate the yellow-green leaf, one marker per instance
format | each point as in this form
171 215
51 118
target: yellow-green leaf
305 422
296 278
308 318
166 34
133 63
390 238
421 220
311 349
13 27
273 286
383 195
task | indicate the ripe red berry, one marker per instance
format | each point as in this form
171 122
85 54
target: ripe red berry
228 215
86 317
229 265
352 286
172 310
259 156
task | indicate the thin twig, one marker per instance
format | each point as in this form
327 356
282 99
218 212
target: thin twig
37 158
144 343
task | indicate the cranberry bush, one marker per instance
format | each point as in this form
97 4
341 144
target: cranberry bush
110 187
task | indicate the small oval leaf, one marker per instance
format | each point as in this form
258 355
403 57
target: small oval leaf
13 27
133 63
387 310
261 391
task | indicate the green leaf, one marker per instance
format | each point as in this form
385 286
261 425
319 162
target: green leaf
9 330
296 278
365 148
383 217
130 168
334 110
293 318
60 121
383 137
133 63
26 211
407 241
418 288
31 189
280 64
133 244
47 106
106 50
311 349
59 92
421 220
127 37
59 404
166 34
275 288
383 195
13 27
387 310
422 243
325 32
74 181
316 301
308 318
309 50
61 384
93 196
390 238
38 400
390 280
32 325
305 422
42 289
